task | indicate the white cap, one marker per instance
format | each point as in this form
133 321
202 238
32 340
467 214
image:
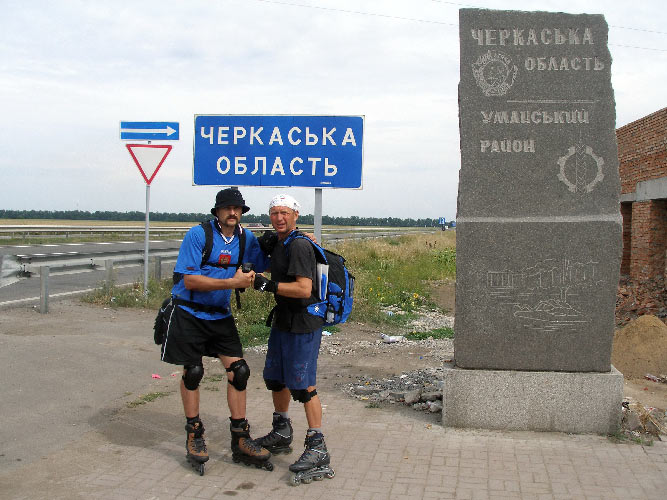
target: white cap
284 200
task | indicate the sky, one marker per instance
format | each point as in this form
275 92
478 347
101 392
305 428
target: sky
70 71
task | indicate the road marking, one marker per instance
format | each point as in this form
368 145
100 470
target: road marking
54 295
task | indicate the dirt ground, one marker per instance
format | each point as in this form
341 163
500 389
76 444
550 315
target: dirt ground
96 386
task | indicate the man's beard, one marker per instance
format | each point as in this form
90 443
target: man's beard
229 221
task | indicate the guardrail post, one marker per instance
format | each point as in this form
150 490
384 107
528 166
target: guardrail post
158 268
44 291
108 266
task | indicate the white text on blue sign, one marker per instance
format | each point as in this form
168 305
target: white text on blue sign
306 151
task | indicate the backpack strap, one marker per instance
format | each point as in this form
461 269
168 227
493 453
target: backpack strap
239 263
319 251
200 307
208 242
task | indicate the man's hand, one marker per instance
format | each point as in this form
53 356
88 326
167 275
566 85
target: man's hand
311 236
243 280
263 284
268 241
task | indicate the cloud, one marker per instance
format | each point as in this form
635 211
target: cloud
71 71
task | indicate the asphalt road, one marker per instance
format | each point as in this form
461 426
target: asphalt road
67 371
27 290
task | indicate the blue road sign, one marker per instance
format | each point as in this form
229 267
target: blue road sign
149 131
286 151
442 221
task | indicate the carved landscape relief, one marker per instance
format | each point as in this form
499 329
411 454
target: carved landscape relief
547 296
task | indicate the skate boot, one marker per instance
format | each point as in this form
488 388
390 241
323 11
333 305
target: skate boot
279 439
313 463
246 450
195 446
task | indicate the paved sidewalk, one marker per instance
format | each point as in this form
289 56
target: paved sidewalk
376 453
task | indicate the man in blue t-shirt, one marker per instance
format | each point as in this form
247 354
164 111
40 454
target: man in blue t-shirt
201 323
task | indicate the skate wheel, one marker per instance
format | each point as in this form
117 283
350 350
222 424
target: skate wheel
331 474
294 480
318 478
307 480
268 466
201 469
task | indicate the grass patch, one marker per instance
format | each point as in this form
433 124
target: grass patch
110 295
619 437
147 398
396 272
438 333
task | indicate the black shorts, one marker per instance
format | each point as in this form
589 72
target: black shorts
188 338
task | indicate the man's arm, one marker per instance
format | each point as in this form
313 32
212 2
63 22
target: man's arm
199 283
299 289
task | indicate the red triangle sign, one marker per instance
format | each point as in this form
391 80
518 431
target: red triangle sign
149 158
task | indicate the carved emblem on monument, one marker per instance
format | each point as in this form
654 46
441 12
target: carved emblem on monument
580 169
494 72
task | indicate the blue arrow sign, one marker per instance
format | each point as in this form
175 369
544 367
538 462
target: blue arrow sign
149 131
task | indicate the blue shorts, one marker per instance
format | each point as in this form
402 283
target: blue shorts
292 358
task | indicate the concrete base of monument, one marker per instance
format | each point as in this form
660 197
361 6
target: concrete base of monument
578 403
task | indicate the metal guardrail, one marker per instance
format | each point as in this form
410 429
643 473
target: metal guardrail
66 263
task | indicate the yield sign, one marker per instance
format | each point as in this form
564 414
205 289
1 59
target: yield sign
149 158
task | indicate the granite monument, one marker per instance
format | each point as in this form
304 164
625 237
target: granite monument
538 220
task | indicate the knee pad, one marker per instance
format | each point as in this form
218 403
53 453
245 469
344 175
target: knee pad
241 372
302 395
192 377
274 385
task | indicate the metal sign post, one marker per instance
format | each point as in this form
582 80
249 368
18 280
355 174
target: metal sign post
146 239
148 159
318 216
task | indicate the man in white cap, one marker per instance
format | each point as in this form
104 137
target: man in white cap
291 361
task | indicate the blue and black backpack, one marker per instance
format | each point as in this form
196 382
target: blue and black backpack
334 283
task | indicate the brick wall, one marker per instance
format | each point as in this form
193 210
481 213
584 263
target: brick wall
642 151
626 213
642 154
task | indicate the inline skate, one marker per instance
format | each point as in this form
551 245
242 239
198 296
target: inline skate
246 450
280 438
197 454
313 463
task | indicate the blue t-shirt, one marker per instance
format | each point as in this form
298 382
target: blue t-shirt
189 262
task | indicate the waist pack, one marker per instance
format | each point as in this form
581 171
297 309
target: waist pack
162 321
335 284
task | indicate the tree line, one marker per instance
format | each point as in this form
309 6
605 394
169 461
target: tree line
307 219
